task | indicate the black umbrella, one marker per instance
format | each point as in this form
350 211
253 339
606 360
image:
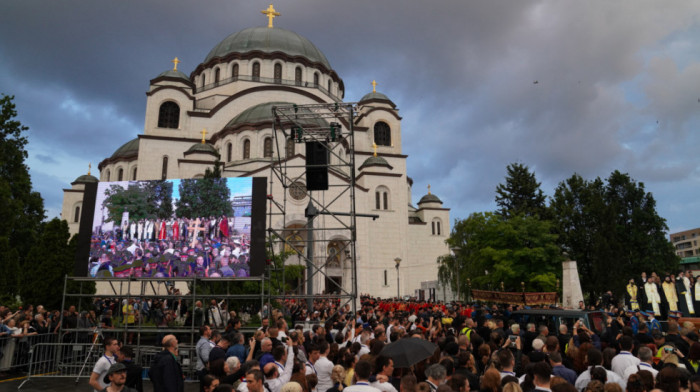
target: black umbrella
408 351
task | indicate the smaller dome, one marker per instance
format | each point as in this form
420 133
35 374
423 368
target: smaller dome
171 73
375 95
85 179
203 148
375 161
127 149
429 198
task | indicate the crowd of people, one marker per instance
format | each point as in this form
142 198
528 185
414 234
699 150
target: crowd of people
487 349
330 348
203 247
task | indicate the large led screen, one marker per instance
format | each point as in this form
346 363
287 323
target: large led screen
177 228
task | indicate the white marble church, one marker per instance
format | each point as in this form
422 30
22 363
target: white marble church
230 94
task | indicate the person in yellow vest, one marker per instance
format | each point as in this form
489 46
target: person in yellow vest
129 315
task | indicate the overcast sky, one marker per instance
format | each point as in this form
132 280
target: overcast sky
564 87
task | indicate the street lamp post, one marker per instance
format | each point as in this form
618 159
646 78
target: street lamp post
398 281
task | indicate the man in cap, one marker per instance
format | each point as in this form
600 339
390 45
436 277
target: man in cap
652 322
116 378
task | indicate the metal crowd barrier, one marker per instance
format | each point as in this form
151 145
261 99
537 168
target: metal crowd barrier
14 352
76 360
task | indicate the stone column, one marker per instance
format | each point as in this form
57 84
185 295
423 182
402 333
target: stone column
571 285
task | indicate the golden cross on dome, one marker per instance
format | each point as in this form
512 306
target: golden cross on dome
175 62
271 13
374 86
429 189
89 167
374 146
204 134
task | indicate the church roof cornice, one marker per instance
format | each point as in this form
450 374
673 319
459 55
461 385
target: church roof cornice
158 79
257 54
167 87
374 109
252 90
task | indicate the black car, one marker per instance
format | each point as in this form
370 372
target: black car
553 318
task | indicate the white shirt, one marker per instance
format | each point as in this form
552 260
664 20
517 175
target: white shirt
622 361
642 366
101 367
310 368
384 386
585 377
284 376
360 387
363 350
324 368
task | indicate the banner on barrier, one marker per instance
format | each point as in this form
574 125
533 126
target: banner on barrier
514 298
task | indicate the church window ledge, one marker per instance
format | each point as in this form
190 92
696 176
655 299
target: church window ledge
260 79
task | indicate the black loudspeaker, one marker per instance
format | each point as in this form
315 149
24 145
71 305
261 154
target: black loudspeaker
316 166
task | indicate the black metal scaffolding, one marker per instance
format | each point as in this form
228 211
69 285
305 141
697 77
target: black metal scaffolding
330 214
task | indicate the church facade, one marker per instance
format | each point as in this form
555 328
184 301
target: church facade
222 109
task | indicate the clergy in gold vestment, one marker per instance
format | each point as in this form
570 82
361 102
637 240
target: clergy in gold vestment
670 292
632 302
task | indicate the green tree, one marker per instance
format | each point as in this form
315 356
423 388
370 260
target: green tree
121 199
491 249
21 208
204 197
213 173
611 228
52 258
521 193
143 200
159 197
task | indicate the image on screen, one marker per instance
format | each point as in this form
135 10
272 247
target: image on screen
172 228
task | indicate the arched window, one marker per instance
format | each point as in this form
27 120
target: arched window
297 76
120 174
204 80
267 147
107 173
381 198
234 72
169 115
164 172
217 74
278 73
316 77
289 148
382 134
256 72
329 86
133 175
76 217
229 147
246 149
436 226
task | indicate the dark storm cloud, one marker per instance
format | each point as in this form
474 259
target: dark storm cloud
561 86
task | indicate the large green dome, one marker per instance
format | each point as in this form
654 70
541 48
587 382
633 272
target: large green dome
263 113
128 149
268 40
